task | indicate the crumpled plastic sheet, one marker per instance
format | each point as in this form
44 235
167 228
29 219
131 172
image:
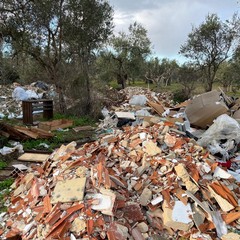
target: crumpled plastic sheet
7 150
138 100
222 136
20 94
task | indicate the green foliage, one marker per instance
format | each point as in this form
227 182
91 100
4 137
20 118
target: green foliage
4 188
3 141
161 72
77 121
188 77
6 183
60 36
210 44
3 164
179 96
8 72
127 58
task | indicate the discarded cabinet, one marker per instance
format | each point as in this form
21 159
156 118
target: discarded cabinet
29 106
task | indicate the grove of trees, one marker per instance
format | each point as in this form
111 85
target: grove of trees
70 43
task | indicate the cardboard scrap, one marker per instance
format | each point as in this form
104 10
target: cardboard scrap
231 236
203 109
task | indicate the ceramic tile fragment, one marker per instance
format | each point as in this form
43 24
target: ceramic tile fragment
69 190
151 148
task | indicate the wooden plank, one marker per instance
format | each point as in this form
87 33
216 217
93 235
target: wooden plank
27 132
33 157
13 133
55 124
84 128
157 107
5 134
42 133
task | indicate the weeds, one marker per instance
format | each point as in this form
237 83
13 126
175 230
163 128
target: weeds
3 164
6 183
4 188
77 121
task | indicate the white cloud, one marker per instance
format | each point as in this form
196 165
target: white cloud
169 21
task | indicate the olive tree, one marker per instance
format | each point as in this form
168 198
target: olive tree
56 33
210 44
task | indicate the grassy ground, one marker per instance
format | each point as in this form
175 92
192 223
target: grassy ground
61 136
4 192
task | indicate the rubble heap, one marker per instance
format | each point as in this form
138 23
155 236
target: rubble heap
11 96
135 183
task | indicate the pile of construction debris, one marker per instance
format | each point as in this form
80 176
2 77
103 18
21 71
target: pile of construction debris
144 180
12 95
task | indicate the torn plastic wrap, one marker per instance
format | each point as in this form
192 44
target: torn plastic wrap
138 100
222 137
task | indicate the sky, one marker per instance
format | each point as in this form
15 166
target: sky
169 22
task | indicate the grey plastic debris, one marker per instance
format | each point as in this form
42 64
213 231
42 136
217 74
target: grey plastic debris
142 112
138 100
222 136
19 94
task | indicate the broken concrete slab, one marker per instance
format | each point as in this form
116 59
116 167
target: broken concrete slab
127 115
104 201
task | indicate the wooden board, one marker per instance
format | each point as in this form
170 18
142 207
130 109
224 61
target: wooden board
84 128
55 124
27 132
13 133
157 107
33 157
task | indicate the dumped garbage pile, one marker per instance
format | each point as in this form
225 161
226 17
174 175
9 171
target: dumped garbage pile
135 183
138 102
165 98
11 97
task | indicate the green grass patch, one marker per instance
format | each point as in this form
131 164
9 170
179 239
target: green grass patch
3 164
60 137
6 183
77 121
4 188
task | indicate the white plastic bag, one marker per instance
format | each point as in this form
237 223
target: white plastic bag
222 136
19 94
138 100
32 95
